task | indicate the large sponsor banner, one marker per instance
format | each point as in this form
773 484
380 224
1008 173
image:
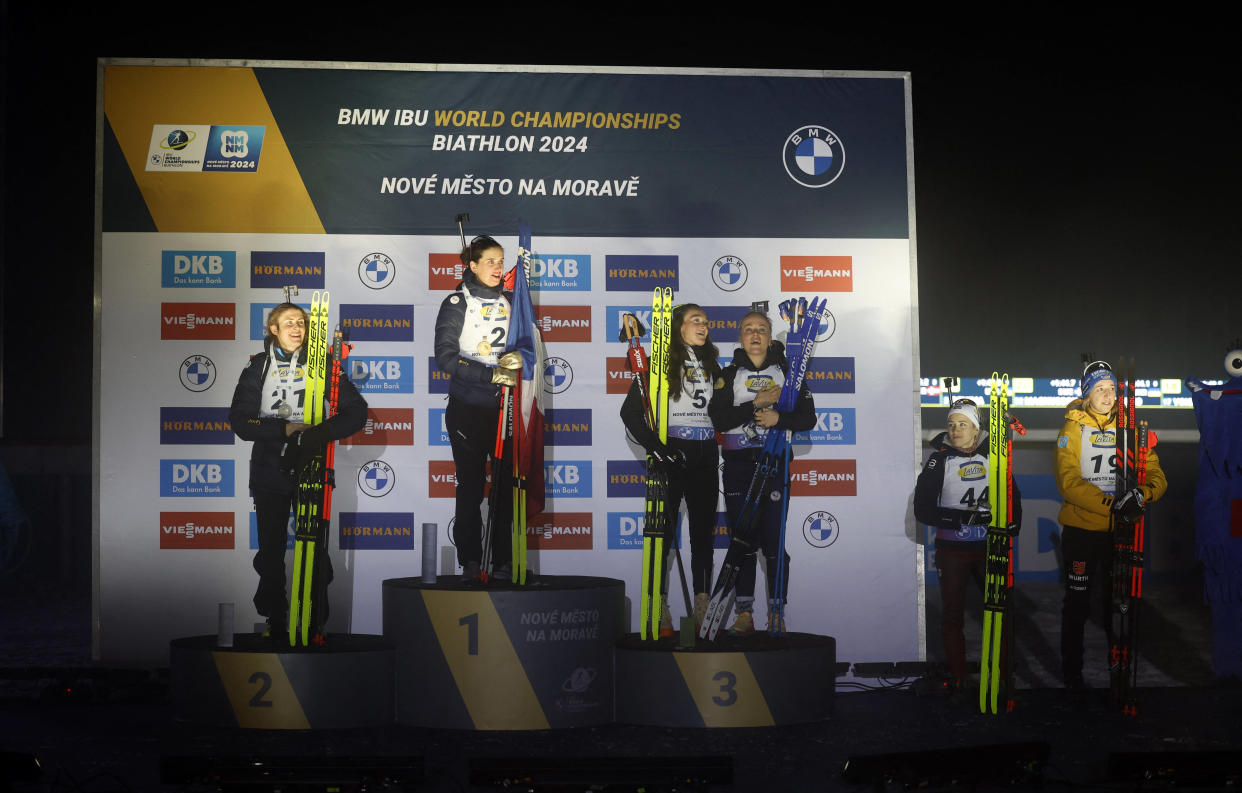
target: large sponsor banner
729 188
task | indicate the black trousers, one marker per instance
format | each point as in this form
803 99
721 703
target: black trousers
1088 559
698 483
271 598
472 434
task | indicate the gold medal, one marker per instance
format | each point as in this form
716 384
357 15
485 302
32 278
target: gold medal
484 348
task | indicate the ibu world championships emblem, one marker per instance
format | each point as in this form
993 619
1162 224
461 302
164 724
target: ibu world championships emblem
814 156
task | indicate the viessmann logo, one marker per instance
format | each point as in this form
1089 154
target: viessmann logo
194 530
385 427
823 478
563 531
444 271
618 375
564 323
197 321
817 274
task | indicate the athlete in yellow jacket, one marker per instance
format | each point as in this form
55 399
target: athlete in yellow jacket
1086 474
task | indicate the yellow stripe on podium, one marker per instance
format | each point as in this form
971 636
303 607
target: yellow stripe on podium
259 691
485 666
724 689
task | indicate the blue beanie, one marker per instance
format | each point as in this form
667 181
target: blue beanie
1095 373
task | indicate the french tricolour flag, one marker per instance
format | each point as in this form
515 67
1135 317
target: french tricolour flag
528 416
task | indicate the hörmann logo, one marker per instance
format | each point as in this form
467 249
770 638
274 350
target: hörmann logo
817 274
197 321
618 375
563 531
377 322
832 426
377 531
392 374
561 272
567 427
720 531
444 271
626 478
202 269
195 426
564 323
823 478
437 379
193 530
567 479
201 478
723 323
385 427
640 273
830 375
274 269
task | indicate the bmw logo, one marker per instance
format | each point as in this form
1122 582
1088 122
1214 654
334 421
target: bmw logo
376 478
827 327
821 529
729 273
813 156
558 375
376 270
197 373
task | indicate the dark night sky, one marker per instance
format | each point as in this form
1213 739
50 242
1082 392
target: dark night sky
1077 180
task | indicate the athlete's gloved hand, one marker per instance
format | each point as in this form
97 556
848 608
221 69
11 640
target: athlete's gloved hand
1129 507
502 376
307 444
978 517
510 360
667 456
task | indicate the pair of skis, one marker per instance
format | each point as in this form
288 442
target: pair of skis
657 520
1133 441
996 664
316 480
804 321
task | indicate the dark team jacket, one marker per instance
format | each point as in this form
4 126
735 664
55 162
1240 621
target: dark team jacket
949 522
634 416
269 466
470 381
726 416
